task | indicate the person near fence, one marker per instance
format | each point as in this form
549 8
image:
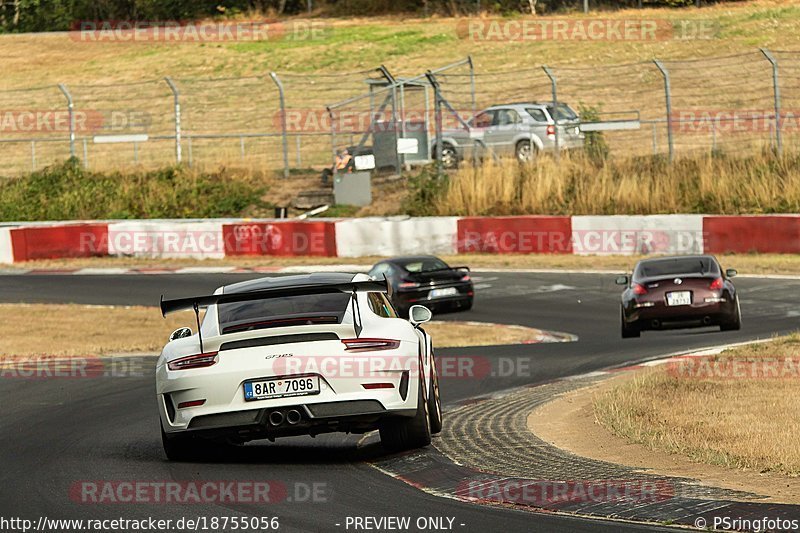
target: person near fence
344 163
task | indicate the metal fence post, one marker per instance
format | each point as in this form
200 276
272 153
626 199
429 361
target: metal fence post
668 96
393 86
284 139
333 141
776 91
71 110
472 85
176 98
554 86
437 116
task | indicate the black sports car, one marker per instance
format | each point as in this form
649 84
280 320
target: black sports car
426 280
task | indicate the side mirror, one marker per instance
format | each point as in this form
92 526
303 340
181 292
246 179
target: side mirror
180 333
419 314
731 272
621 280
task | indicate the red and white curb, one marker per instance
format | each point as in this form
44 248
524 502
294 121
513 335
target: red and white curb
387 236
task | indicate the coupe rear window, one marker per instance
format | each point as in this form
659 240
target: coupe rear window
279 312
673 267
424 265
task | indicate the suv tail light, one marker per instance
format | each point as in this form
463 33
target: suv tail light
716 284
200 360
551 130
638 288
364 345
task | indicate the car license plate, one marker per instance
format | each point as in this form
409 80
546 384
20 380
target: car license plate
679 298
442 293
280 387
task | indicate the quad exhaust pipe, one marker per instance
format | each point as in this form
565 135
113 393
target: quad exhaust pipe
276 418
293 417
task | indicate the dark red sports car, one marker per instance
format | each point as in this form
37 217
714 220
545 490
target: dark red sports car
679 292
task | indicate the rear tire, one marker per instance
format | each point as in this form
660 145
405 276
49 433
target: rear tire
177 447
408 433
449 156
628 332
736 323
525 152
434 401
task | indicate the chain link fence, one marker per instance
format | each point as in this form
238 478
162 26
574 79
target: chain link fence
737 104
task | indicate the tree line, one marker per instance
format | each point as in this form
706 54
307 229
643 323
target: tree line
59 15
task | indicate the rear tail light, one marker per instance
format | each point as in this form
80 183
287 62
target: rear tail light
466 277
408 285
363 345
372 386
716 284
193 403
200 360
551 130
638 288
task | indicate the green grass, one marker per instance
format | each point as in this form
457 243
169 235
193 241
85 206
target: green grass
68 192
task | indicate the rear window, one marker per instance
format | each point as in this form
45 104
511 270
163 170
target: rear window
562 112
287 311
536 114
673 267
423 265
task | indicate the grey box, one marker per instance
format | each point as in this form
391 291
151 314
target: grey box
353 188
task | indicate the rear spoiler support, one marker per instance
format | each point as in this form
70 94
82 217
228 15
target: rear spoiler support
197 318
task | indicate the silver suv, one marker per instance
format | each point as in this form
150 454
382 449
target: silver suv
522 130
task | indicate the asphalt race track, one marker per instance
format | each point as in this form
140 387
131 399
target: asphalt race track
59 432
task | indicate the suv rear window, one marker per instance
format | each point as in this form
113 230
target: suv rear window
279 312
562 112
537 114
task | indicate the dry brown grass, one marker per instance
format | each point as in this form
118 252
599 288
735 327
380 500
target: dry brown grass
461 334
407 46
726 418
754 264
81 330
577 186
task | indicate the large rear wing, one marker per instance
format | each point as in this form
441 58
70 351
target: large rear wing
197 302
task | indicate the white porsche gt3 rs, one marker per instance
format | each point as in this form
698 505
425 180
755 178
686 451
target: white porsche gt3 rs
297 355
